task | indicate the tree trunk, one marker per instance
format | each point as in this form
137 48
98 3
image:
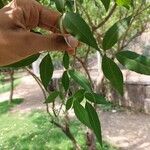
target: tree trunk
11 85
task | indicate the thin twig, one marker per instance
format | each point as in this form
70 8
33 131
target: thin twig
106 18
86 70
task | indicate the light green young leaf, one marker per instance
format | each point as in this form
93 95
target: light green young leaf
125 3
80 79
94 121
51 98
75 25
46 70
115 32
134 62
113 74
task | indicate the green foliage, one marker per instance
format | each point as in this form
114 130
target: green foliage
134 62
80 79
75 25
79 95
113 73
66 60
115 32
60 5
94 121
125 3
81 113
22 63
65 80
95 98
89 27
52 96
1 4
69 103
46 70
106 4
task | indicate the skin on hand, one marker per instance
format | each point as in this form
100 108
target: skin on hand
16 40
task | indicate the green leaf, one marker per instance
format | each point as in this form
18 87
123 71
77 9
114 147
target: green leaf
46 70
70 5
89 96
134 62
25 62
106 4
65 80
100 99
66 60
52 97
80 79
113 74
69 103
95 98
60 5
81 113
79 95
1 4
94 121
115 32
75 25
125 3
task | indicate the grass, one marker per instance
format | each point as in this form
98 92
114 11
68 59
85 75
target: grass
33 131
6 106
5 87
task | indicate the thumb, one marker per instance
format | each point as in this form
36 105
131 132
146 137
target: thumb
72 44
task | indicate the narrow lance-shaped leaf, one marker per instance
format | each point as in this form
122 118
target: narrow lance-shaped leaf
66 60
94 121
115 32
52 97
81 113
69 103
65 80
60 5
80 79
113 74
79 95
25 62
75 25
89 96
106 4
95 98
134 62
100 99
46 70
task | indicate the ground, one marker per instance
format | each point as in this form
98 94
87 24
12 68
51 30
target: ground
126 129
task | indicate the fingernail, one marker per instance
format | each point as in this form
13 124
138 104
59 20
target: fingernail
71 41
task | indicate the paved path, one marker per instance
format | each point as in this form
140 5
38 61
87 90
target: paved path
127 130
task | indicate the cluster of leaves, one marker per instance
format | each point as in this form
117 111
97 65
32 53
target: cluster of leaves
84 100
